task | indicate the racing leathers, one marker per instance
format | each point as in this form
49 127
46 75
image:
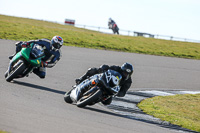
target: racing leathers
52 56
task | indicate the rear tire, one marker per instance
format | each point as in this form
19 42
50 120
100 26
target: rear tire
90 99
14 73
67 97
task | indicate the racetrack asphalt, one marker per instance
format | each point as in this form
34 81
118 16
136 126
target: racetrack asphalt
31 104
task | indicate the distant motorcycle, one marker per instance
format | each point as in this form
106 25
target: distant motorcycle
97 88
24 62
114 27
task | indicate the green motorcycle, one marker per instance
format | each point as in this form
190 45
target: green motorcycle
25 61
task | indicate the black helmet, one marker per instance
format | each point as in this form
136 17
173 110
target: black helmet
57 42
127 70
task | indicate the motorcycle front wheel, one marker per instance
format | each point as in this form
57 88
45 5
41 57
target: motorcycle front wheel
89 98
67 97
20 66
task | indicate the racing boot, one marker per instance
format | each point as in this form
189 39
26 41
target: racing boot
11 56
78 81
89 73
18 48
81 79
107 101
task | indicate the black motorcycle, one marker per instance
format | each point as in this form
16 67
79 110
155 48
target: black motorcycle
97 88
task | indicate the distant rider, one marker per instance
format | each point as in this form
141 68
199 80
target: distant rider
110 23
125 70
51 49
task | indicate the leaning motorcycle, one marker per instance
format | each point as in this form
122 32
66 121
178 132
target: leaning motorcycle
25 61
114 27
97 88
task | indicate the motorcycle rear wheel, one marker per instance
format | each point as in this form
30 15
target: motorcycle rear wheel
89 99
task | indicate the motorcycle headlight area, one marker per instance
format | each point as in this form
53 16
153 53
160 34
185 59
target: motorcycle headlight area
37 51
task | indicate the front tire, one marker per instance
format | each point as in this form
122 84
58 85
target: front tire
67 97
89 99
14 73
6 74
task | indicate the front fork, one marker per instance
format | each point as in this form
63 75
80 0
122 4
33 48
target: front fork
18 62
14 59
15 65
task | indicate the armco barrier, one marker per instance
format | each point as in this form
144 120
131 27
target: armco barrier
134 33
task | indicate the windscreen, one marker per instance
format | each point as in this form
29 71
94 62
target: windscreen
37 51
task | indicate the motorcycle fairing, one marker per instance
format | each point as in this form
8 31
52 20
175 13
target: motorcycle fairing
25 52
75 93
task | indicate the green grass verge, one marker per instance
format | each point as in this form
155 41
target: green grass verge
15 28
182 110
3 131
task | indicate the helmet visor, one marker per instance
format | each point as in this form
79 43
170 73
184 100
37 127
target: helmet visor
125 75
56 45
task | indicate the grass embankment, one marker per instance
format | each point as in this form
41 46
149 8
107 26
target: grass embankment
24 29
182 110
3 131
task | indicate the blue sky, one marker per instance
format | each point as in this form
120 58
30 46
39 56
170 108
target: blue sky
179 18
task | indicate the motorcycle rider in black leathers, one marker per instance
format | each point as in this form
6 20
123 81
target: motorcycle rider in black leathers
125 70
51 49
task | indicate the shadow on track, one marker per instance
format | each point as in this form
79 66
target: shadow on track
104 112
169 126
39 87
